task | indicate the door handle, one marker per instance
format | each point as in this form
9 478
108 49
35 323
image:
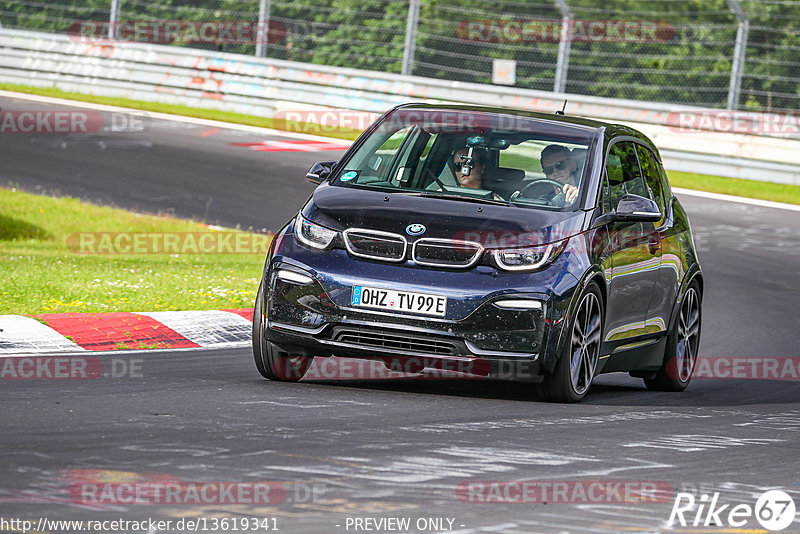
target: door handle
654 244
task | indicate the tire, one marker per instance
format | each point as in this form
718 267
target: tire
272 363
577 365
680 354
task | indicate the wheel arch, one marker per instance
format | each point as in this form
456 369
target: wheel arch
594 274
694 274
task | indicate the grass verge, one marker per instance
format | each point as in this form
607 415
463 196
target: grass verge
41 274
738 187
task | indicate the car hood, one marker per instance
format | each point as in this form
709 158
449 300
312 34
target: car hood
494 226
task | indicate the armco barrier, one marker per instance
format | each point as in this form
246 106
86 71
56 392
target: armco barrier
262 87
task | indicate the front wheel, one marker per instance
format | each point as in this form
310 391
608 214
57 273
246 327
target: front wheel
270 362
680 355
577 365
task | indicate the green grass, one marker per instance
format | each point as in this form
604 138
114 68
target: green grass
42 275
789 194
716 184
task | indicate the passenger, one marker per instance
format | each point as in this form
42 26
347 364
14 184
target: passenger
475 178
559 166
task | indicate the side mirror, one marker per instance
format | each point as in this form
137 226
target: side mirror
320 171
631 208
637 209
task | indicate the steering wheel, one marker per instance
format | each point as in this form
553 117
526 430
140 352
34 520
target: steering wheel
558 185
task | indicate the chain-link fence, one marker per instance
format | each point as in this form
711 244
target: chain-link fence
740 54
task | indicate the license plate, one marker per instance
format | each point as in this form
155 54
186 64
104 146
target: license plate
405 301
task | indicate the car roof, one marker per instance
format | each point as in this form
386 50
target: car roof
611 129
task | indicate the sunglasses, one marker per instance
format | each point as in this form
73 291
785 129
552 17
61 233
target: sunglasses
459 165
560 165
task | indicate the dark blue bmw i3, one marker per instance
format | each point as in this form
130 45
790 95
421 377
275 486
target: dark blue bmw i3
500 239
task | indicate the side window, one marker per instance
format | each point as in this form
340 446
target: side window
624 176
377 161
652 178
665 181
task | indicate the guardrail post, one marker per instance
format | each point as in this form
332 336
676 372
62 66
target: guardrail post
113 19
564 45
411 37
737 67
264 8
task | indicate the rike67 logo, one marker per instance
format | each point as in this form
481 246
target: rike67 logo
774 510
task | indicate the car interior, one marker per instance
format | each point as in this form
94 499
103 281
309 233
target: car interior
414 159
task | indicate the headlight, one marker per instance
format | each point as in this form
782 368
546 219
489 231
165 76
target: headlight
312 234
526 259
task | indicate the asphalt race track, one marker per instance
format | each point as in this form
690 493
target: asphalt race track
357 449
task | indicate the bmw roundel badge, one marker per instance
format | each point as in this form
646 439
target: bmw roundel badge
415 229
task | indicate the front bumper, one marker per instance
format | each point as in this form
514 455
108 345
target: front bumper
318 319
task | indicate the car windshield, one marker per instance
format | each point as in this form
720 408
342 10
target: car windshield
474 156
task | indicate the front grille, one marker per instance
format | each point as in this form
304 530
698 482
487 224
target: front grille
375 245
394 341
446 252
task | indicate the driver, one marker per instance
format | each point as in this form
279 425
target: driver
559 166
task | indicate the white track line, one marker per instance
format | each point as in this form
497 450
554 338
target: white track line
169 117
741 200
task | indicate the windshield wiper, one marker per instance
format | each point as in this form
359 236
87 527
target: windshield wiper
456 196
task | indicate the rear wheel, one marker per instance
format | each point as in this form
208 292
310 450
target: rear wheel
680 355
271 362
577 365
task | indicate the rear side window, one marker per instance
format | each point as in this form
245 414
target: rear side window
652 178
624 176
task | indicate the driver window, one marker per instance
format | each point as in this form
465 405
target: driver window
653 179
624 176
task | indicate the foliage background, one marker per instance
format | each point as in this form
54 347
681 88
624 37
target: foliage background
692 67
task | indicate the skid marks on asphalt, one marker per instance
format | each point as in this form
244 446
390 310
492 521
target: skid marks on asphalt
699 442
757 236
434 464
537 422
780 422
176 450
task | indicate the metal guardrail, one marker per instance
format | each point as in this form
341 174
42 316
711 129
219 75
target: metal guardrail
262 87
